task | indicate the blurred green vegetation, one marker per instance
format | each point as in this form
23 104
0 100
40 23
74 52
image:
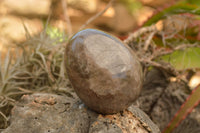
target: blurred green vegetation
185 58
189 58
37 65
131 5
194 2
175 9
56 34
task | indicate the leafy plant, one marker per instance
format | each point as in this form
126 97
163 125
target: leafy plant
192 58
169 46
182 7
37 65
188 58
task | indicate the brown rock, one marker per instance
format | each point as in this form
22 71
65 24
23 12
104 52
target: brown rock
132 120
105 74
161 99
50 113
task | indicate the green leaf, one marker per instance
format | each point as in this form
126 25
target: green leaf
189 58
194 2
131 5
182 7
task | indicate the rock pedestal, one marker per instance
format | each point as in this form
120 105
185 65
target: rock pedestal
50 113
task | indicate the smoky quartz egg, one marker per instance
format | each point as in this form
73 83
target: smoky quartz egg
104 72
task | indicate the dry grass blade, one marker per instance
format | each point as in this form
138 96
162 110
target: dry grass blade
28 35
139 32
67 19
5 72
5 68
31 71
5 119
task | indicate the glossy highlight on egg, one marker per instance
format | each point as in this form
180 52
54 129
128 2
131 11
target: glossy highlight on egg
104 72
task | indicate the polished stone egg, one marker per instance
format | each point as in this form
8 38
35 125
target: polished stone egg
104 72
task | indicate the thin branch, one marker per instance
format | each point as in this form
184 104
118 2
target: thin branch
4 116
97 15
148 52
27 33
139 32
167 67
184 46
48 20
25 90
179 47
66 16
148 41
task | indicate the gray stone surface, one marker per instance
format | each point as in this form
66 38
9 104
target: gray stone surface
50 113
144 119
161 99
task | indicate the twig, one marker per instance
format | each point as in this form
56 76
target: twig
179 47
4 117
50 57
66 16
97 15
166 67
140 32
27 33
148 41
48 20
149 61
148 53
3 103
25 90
184 46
